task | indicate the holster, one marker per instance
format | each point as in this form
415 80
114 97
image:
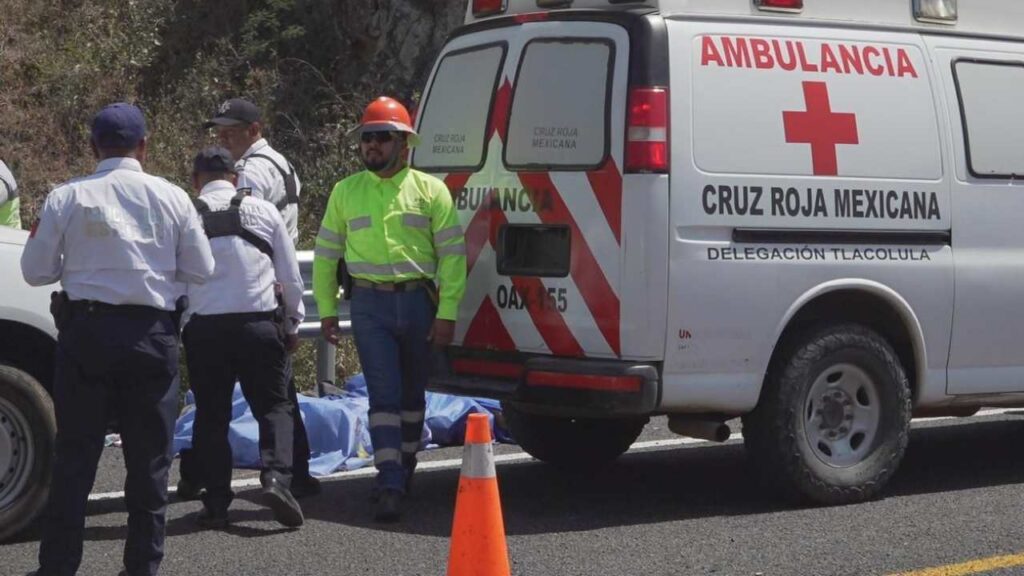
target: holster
60 309
180 305
432 292
279 314
344 279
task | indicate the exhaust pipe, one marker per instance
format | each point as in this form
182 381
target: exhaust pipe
696 427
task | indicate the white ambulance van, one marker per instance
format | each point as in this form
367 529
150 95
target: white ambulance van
802 212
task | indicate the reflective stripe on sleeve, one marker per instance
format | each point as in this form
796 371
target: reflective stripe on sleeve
330 236
359 223
447 234
411 447
328 253
415 220
452 250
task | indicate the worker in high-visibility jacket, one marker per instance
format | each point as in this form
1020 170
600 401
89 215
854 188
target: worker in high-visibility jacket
9 205
398 232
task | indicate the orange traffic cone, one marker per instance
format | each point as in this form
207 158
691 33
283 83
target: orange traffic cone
478 535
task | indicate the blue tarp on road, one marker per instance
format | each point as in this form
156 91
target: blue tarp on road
337 426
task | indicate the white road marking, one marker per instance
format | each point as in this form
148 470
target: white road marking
521 456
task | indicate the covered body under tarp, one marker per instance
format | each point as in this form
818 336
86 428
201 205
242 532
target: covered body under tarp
337 425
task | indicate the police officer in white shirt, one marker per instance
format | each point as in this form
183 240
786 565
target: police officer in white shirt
261 169
266 174
237 329
119 241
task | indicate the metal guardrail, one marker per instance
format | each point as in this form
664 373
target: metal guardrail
326 353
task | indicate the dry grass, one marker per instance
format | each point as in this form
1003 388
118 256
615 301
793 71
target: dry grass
311 70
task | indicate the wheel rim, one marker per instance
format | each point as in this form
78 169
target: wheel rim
842 415
16 453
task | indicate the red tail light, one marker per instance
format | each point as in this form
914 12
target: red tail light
528 17
474 367
584 381
780 4
487 7
647 130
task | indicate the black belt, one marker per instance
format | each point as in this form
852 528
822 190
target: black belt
97 306
406 286
238 316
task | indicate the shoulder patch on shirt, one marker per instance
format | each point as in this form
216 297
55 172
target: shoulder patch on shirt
247 190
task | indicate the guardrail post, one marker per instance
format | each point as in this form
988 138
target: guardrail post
326 358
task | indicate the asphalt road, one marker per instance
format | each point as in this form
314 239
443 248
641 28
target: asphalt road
664 509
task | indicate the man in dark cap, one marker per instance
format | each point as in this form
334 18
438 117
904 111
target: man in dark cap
119 241
237 330
266 174
261 169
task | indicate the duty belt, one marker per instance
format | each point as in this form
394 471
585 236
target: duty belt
407 286
97 306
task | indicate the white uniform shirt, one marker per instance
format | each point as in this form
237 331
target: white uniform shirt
118 236
266 182
8 186
243 279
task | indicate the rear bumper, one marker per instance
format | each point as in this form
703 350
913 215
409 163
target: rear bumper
556 386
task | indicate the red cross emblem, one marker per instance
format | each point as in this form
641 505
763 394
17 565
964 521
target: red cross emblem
820 127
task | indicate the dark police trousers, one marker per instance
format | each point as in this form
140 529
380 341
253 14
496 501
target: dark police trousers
188 466
112 361
249 348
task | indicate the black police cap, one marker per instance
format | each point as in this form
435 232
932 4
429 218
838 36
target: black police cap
233 112
214 159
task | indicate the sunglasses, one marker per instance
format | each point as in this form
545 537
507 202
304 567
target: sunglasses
382 137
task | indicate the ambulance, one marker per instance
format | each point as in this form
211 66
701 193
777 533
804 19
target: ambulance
804 213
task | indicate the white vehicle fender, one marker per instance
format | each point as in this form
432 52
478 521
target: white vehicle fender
905 311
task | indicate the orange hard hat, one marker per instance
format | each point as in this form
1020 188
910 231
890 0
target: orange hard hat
387 115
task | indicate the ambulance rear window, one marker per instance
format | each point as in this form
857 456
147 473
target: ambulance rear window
990 105
560 105
454 119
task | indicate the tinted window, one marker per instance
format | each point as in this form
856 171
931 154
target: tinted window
457 109
559 114
993 116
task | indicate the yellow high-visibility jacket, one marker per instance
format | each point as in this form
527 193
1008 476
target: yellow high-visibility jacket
9 215
391 230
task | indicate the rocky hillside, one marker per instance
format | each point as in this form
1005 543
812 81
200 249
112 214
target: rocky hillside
311 64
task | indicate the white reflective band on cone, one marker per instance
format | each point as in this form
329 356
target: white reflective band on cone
478 461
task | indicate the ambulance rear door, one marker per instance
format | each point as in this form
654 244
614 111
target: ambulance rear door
525 119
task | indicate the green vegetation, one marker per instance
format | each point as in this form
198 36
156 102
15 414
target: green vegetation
311 65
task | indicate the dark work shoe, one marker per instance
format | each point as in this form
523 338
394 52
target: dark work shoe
388 506
376 490
304 486
282 503
212 519
188 491
409 471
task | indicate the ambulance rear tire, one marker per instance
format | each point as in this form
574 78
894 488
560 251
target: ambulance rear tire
833 420
27 433
572 443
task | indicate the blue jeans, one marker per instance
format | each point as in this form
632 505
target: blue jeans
391 330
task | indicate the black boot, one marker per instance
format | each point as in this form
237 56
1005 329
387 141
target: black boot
303 486
212 518
388 506
280 500
188 491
